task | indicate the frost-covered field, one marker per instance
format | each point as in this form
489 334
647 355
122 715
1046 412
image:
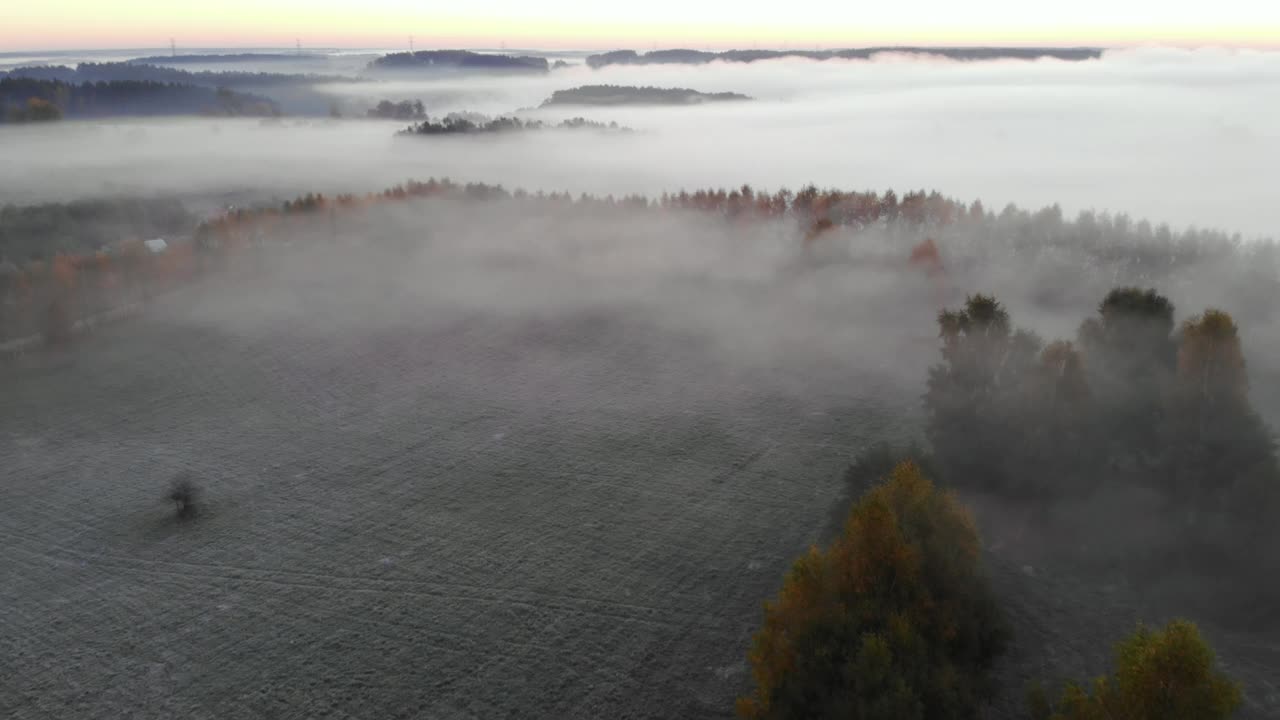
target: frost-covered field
425 508
476 461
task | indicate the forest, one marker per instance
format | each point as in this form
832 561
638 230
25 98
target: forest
127 98
464 60
472 124
1045 243
1132 403
141 72
288 93
628 95
403 110
896 619
83 227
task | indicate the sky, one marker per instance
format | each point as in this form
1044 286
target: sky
586 24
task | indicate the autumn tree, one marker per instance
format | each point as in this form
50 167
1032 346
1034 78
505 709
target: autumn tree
1165 674
1211 364
893 621
36 109
1221 452
39 110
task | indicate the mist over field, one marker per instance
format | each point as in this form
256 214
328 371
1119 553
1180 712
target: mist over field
1174 136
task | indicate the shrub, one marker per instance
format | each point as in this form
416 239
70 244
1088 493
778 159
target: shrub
1162 675
183 493
893 621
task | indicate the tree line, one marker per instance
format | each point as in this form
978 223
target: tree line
439 60
1154 254
84 227
51 298
895 619
1132 401
142 72
700 57
631 95
300 94
61 263
455 124
403 110
31 100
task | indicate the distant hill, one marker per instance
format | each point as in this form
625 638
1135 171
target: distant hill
115 71
459 60
293 94
129 98
699 57
627 95
227 58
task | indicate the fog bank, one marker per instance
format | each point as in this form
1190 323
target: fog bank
1184 137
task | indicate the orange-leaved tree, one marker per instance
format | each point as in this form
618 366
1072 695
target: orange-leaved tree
893 621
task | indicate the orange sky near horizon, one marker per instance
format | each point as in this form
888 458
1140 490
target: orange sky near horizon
100 24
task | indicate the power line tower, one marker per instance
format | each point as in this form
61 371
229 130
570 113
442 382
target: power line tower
173 47
410 44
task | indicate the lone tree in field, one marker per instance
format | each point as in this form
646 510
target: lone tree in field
893 622
183 493
1162 675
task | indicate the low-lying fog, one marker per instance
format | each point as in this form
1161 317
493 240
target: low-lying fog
820 321
1184 137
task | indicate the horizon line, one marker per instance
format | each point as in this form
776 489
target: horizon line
694 47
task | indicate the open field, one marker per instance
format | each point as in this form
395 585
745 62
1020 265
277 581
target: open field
493 476
457 514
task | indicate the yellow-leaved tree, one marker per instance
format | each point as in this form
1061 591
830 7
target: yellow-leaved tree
1166 674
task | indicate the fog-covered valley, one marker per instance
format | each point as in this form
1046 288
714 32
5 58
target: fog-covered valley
286 433
1172 136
